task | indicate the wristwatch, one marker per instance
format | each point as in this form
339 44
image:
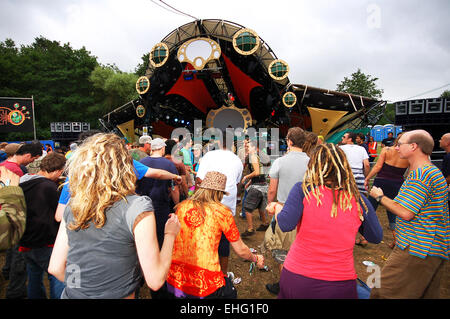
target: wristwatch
378 199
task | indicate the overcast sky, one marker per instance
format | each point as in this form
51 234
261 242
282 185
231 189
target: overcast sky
405 43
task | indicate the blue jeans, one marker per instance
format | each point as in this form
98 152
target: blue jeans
37 260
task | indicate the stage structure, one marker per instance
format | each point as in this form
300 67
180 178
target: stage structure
227 76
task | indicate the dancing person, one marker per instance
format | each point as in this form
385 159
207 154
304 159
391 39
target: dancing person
257 188
284 173
160 191
389 170
36 244
328 211
224 161
422 226
140 170
195 271
107 231
23 155
358 159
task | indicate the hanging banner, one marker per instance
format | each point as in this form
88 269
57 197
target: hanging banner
16 115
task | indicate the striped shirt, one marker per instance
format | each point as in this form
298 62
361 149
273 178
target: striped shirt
424 193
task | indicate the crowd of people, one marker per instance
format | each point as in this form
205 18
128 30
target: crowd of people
107 217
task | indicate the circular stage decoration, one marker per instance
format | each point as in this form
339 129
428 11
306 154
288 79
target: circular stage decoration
140 111
278 69
198 52
159 54
289 99
246 41
142 85
227 116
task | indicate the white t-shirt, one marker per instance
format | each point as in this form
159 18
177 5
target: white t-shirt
227 163
355 155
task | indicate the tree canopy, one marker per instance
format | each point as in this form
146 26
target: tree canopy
67 84
360 84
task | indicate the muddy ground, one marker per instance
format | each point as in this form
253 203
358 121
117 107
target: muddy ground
253 286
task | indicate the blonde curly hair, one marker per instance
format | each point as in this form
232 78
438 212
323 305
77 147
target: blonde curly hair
101 172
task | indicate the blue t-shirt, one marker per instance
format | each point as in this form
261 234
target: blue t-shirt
139 169
158 190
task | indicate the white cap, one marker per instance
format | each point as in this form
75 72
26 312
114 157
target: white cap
158 143
145 139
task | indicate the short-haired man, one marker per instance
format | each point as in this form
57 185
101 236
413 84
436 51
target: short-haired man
285 172
158 190
226 162
24 155
144 148
388 141
415 266
36 245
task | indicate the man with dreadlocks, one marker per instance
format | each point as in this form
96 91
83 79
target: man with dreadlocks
328 210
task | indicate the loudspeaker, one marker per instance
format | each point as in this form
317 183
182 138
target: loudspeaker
401 108
85 127
434 106
416 107
67 127
76 127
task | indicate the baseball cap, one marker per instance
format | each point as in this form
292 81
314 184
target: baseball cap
157 143
145 139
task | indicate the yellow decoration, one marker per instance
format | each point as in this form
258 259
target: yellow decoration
127 130
324 120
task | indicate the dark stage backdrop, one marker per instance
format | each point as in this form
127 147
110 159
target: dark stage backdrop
16 115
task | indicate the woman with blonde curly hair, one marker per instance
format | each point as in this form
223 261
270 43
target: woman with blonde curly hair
107 231
328 210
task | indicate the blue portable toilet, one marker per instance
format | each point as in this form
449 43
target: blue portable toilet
388 128
398 130
378 133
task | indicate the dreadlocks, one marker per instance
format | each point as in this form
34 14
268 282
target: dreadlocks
328 166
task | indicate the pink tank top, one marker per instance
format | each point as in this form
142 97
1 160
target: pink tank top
323 248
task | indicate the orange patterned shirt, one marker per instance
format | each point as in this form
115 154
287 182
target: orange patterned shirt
195 267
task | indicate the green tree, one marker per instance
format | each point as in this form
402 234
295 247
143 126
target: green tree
360 84
55 75
141 68
112 88
445 94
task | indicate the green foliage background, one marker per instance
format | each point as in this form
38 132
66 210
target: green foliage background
67 84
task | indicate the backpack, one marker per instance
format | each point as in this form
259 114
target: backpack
12 216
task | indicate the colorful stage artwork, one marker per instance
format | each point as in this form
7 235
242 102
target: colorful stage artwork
16 115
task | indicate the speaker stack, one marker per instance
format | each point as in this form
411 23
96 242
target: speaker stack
68 131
